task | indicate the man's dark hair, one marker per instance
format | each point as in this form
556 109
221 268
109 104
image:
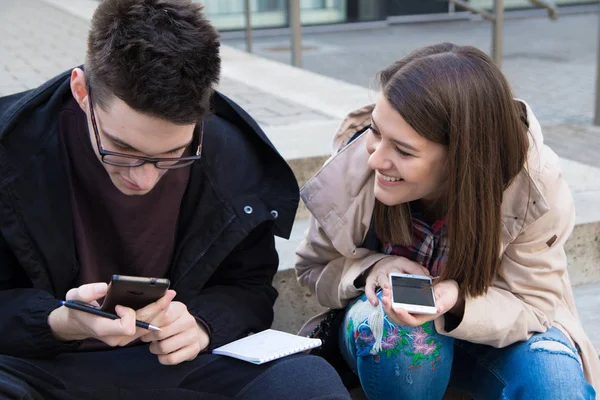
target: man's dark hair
161 57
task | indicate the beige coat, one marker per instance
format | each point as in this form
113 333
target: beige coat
531 293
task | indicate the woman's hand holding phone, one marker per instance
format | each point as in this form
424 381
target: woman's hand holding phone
68 324
379 274
446 297
181 337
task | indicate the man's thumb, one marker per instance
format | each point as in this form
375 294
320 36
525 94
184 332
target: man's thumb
88 293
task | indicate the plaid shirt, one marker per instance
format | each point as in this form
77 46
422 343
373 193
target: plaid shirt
430 243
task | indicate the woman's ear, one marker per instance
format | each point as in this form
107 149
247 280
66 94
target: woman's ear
79 88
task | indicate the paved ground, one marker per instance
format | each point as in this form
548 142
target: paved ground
266 108
39 41
552 65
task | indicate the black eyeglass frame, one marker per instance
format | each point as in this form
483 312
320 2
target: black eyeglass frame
143 160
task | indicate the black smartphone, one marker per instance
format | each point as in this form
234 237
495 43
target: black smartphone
133 291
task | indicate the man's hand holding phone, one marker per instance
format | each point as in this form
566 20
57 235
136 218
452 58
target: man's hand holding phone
68 324
181 337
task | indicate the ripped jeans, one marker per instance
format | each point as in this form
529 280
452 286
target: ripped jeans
398 362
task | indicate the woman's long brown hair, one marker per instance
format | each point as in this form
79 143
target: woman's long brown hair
456 96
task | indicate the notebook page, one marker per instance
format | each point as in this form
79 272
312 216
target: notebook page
266 346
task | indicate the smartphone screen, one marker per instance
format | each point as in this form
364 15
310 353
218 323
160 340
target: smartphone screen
412 291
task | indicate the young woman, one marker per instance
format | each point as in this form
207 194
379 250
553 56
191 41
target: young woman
447 175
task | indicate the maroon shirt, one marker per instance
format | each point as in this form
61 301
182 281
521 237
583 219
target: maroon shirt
116 233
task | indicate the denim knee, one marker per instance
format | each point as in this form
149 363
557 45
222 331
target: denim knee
551 370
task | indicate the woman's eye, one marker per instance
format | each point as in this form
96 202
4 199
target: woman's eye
403 153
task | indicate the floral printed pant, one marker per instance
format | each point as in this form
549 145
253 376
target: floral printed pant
380 351
399 362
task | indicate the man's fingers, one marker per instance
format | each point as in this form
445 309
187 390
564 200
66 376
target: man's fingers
103 328
185 354
149 312
174 320
127 320
174 343
167 330
88 293
95 304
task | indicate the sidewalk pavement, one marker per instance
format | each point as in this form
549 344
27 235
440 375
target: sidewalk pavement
42 38
550 64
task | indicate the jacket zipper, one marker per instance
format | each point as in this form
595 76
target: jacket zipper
197 260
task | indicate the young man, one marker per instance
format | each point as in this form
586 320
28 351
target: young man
133 165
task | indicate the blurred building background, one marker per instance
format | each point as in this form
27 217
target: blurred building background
228 15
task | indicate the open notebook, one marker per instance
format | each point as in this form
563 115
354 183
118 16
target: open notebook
267 346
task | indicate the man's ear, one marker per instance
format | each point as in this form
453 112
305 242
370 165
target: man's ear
79 88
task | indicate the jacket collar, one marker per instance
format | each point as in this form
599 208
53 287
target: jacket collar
277 184
348 199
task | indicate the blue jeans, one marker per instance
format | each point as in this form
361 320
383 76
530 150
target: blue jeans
397 362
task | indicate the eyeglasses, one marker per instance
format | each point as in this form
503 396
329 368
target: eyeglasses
126 160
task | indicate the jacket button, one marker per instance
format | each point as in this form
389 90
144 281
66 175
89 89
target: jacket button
274 213
248 210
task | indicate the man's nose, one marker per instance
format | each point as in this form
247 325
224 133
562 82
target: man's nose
145 176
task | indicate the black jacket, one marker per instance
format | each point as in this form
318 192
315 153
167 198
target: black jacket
239 195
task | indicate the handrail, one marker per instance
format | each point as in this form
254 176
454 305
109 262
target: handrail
475 10
549 6
497 19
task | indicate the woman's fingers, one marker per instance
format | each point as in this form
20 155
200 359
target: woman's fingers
446 295
370 287
379 274
400 316
413 268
